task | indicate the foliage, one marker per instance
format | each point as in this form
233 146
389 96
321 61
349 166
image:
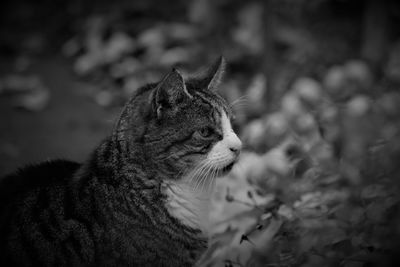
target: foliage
314 199
27 91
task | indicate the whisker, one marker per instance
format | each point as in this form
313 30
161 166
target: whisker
193 174
214 176
197 173
240 100
204 178
201 177
212 179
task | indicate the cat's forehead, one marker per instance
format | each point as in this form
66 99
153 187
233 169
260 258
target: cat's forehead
212 101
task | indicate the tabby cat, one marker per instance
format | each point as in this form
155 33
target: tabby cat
141 198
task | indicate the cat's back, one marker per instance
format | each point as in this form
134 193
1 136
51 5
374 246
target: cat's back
35 177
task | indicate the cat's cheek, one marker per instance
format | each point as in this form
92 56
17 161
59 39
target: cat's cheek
220 155
226 151
193 160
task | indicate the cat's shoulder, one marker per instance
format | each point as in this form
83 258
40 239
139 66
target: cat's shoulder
37 175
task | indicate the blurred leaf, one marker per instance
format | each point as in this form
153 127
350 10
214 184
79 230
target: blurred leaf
309 90
374 191
376 211
250 27
28 91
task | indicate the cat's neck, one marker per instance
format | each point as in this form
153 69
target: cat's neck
190 206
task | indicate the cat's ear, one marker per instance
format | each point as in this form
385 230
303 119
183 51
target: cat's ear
170 91
214 74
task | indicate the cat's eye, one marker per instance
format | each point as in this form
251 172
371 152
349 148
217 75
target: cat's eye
205 132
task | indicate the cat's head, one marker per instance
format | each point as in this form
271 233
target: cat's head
179 127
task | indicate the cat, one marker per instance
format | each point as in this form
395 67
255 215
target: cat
141 198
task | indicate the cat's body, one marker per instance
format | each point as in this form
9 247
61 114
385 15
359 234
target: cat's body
141 198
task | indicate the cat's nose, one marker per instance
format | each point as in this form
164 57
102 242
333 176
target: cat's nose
235 145
235 151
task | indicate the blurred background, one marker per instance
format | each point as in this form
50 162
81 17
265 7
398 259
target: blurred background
314 85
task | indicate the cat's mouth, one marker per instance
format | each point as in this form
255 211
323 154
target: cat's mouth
224 170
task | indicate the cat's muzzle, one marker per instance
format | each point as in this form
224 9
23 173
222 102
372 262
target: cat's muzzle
224 170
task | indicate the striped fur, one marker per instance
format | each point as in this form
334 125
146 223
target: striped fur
111 210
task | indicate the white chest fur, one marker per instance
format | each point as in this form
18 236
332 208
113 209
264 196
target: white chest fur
191 207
